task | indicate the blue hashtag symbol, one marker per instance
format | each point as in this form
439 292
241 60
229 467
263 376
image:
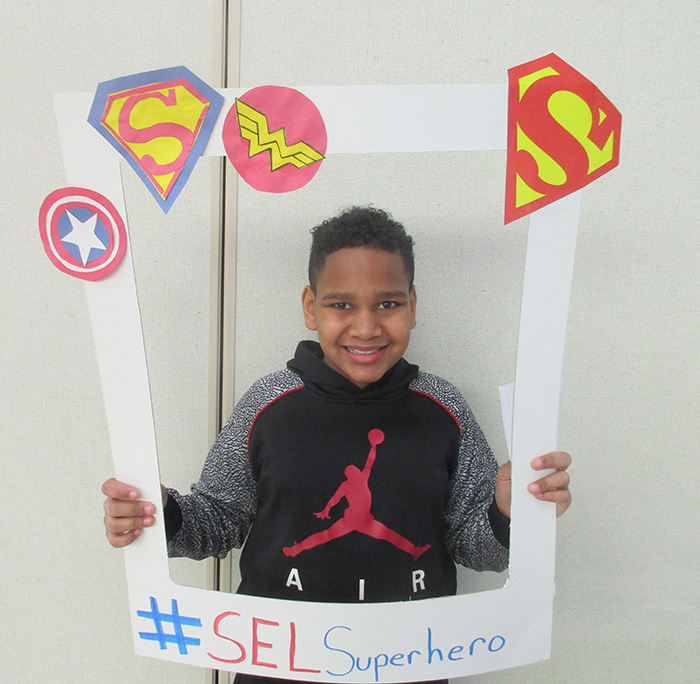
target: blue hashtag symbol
178 621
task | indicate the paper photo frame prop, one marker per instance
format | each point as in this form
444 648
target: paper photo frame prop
389 642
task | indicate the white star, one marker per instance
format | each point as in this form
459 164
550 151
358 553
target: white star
83 236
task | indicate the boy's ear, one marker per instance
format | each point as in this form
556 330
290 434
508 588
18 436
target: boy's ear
308 304
412 300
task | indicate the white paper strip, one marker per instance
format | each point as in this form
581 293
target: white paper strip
341 642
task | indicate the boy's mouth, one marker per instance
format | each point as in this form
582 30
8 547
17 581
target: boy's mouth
365 352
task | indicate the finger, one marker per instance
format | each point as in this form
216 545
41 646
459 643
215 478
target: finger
115 489
127 509
121 525
559 479
119 541
558 460
555 495
560 497
562 506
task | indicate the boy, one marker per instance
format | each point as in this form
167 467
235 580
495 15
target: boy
350 475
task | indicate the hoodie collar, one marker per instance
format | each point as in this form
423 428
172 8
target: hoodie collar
323 381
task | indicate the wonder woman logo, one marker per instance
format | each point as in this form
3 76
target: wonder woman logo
254 128
275 138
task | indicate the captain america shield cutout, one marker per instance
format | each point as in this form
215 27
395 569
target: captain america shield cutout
83 234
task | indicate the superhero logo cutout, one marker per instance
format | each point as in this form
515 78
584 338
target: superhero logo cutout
275 138
563 133
82 233
389 642
159 121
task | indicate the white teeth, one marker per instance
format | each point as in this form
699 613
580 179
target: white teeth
361 352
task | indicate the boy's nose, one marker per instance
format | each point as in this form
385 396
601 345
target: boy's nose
365 325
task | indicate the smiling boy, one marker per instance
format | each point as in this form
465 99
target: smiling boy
363 307
351 474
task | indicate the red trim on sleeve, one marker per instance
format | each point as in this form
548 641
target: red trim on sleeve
257 415
439 403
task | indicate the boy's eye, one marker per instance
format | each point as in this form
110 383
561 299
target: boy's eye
388 305
340 305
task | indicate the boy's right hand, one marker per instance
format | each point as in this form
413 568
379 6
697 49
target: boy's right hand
125 514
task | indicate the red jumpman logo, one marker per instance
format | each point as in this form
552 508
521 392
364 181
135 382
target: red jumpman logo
357 517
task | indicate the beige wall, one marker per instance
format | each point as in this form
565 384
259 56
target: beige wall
63 588
627 585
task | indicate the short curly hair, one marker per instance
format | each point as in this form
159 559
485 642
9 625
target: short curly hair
360 227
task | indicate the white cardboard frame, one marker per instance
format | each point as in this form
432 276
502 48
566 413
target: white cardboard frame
400 642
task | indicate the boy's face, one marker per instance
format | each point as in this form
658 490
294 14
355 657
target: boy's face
363 310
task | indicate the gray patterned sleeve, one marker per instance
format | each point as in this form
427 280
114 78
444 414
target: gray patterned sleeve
221 507
469 538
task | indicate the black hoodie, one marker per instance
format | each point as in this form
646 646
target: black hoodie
345 493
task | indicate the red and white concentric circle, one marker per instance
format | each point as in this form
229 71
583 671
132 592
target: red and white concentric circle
109 226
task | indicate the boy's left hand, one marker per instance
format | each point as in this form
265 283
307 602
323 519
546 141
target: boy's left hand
553 487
